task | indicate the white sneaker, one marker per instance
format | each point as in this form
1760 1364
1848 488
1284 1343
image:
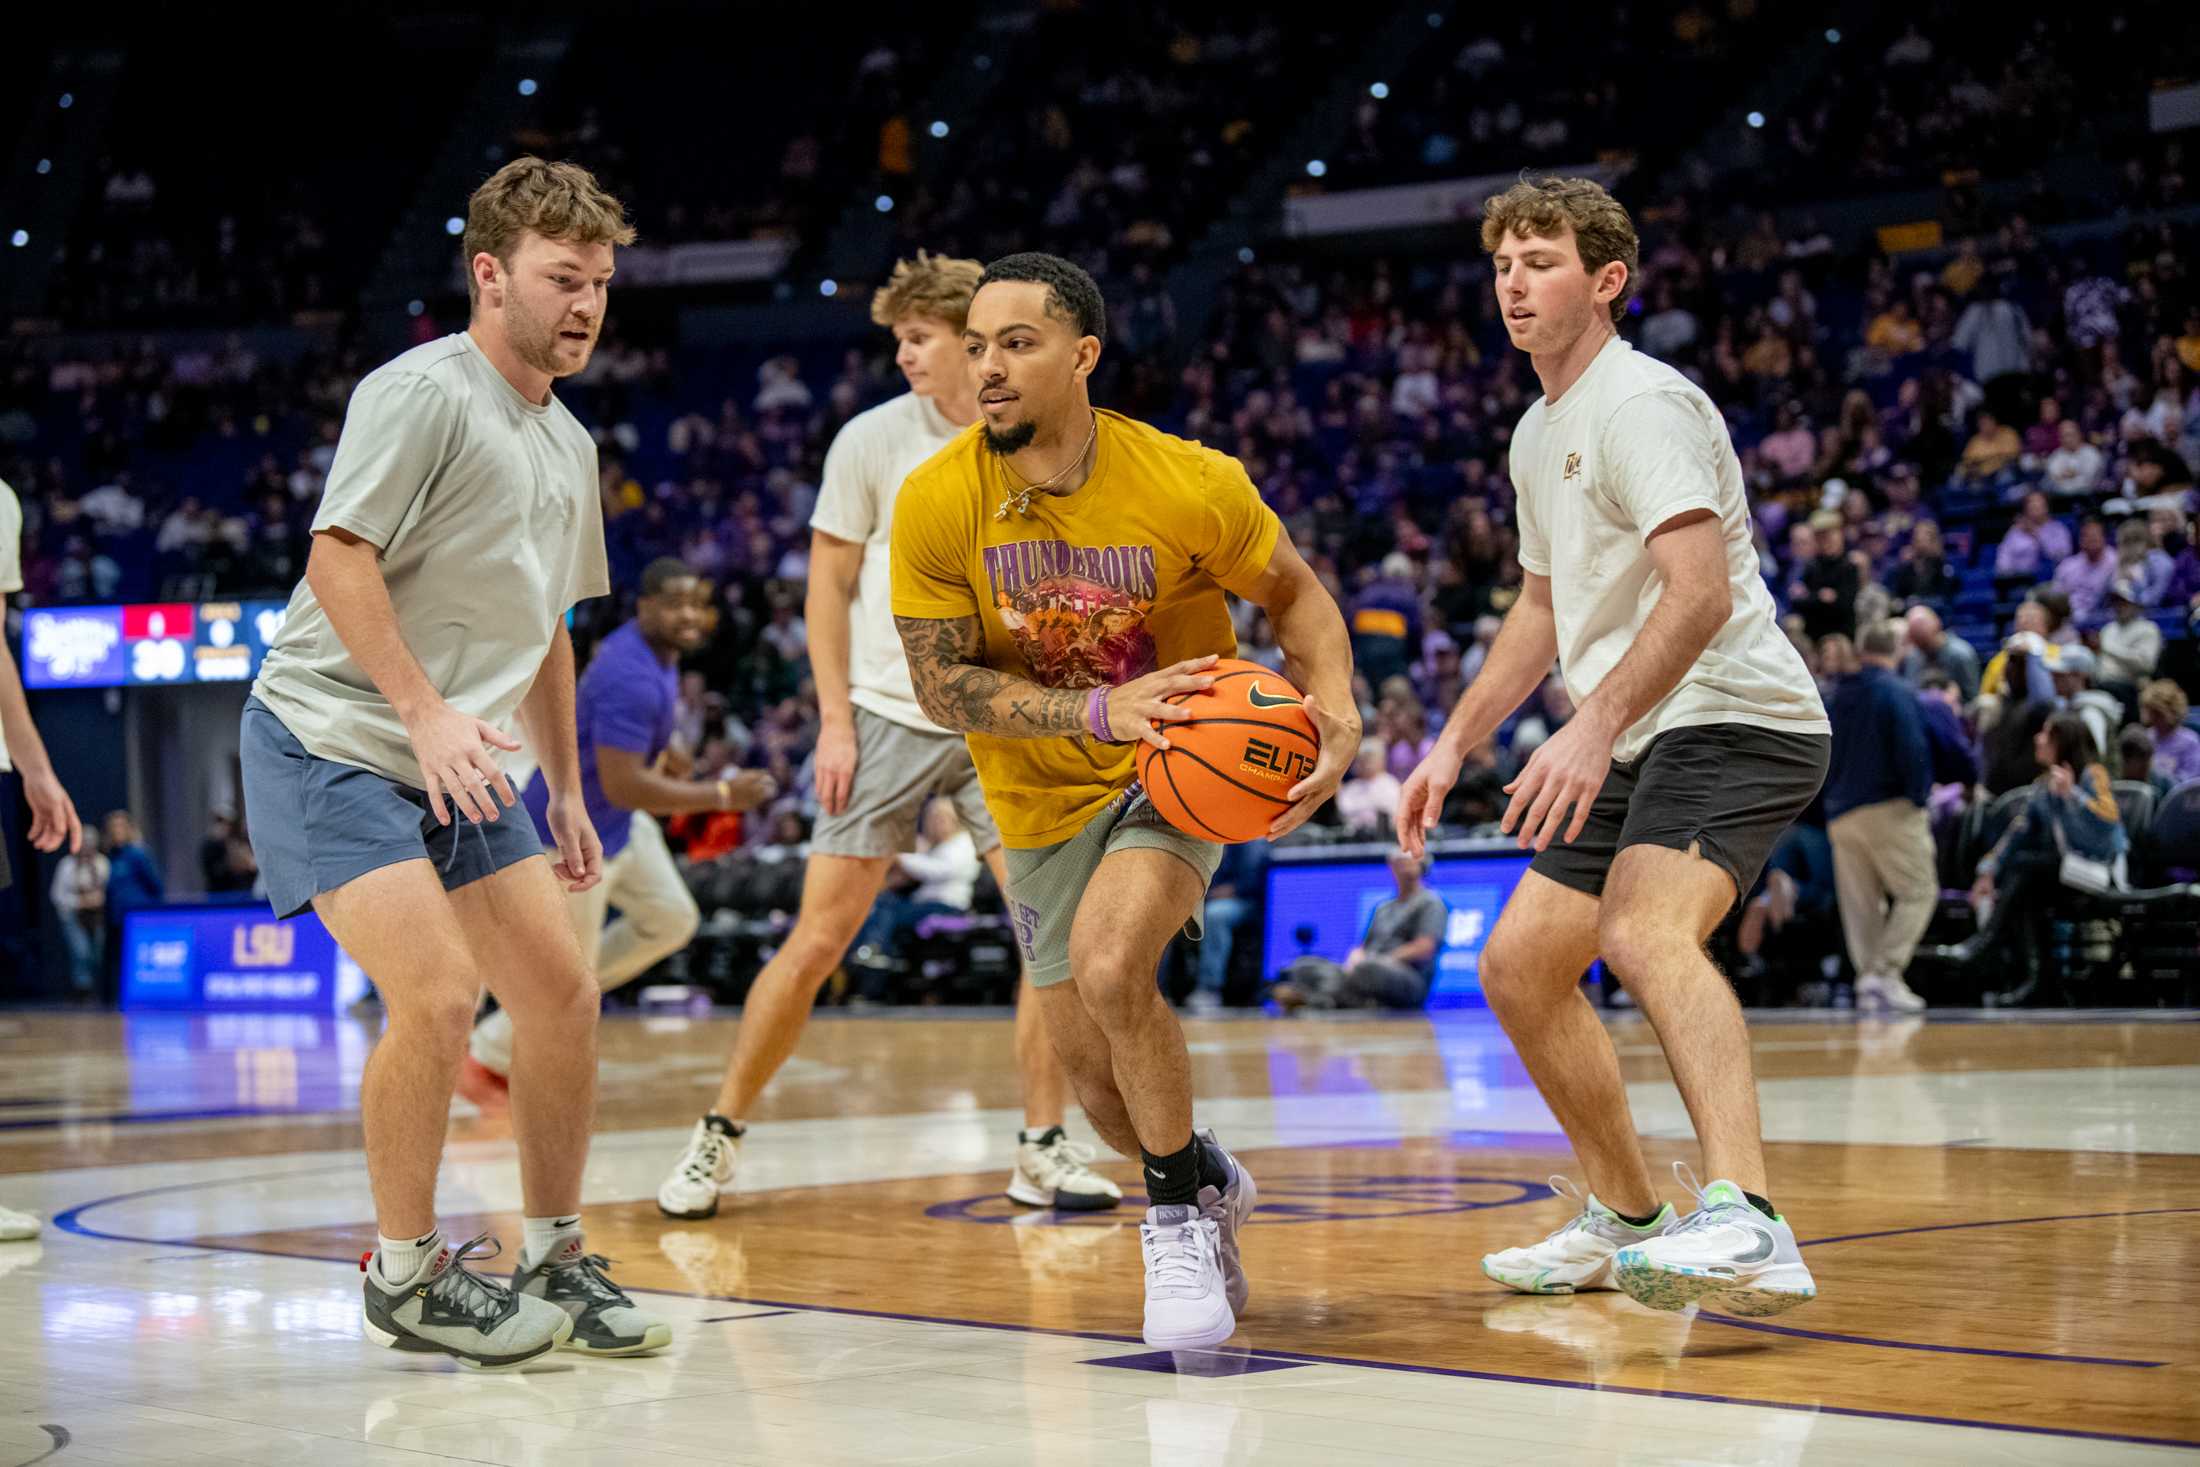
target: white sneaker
1890 990
1186 1308
1228 1210
1725 1252
703 1171
18 1227
1578 1257
1055 1171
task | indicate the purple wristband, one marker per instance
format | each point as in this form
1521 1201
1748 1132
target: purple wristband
1096 714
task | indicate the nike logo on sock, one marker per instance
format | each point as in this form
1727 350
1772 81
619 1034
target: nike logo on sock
1157 1176
568 1222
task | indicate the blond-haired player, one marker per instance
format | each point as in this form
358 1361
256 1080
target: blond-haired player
880 760
1698 737
460 524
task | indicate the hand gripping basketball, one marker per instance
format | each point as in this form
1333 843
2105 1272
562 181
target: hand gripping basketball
1241 755
1137 708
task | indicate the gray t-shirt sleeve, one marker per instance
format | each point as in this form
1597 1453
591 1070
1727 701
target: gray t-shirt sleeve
591 575
397 436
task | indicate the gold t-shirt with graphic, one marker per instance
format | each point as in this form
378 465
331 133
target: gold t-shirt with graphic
1122 578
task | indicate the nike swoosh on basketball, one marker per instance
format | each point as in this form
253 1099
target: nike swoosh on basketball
1259 699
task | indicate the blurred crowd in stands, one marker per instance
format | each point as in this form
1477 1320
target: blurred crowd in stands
1991 438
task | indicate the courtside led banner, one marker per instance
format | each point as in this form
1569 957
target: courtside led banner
147 645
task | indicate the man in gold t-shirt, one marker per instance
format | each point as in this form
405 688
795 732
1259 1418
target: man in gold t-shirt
1058 572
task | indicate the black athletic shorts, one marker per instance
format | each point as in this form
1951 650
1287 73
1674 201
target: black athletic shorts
1729 790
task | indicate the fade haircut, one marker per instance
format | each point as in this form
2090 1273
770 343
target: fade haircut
1073 297
938 286
662 572
1543 208
559 201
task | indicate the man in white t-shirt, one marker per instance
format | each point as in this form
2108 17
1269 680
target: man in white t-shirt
1698 737
53 816
879 759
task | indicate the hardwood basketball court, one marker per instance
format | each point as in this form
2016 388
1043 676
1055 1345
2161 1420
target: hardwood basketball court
2003 1216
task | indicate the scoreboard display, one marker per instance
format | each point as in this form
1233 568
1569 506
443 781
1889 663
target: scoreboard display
147 644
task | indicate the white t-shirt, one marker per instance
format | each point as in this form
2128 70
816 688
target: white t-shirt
947 873
864 470
486 510
11 576
1629 446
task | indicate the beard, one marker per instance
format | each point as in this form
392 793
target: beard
1010 440
535 340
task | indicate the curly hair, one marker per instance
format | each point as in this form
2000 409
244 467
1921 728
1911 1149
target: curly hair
1543 208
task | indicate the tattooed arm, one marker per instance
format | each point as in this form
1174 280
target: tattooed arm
959 692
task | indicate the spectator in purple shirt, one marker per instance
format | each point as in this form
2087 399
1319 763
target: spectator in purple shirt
2035 544
2084 577
1386 621
2162 708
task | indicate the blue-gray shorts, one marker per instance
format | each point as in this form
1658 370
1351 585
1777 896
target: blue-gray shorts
317 824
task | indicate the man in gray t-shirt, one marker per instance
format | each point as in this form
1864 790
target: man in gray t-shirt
1392 967
460 524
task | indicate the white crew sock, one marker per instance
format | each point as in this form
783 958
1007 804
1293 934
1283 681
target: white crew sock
547 1237
400 1259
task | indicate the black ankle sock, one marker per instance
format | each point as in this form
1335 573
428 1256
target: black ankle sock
723 1126
1636 1222
1760 1204
1173 1180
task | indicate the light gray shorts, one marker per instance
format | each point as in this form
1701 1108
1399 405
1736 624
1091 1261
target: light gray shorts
898 769
1046 883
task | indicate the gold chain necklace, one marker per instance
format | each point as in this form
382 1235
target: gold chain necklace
1020 499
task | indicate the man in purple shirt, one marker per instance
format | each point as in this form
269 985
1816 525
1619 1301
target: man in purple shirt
2084 577
2035 544
630 770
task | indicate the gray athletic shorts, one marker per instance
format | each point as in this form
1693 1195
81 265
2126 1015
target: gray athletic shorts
897 770
317 825
1046 883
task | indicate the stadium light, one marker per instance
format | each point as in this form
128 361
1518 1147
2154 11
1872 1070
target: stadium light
884 203
1315 168
416 308
828 287
20 238
939 129
45 166
1379 91
1833 38
1245 254
454 225
527 86
67 100
1755 119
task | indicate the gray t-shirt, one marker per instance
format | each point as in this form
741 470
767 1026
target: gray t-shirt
486 512
1401 920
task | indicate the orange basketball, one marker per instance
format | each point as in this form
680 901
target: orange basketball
1230 765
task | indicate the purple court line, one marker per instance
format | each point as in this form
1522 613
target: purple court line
759 1314
71 1221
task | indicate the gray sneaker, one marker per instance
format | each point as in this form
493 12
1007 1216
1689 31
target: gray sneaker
604 1320
1229 1209
447 1309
